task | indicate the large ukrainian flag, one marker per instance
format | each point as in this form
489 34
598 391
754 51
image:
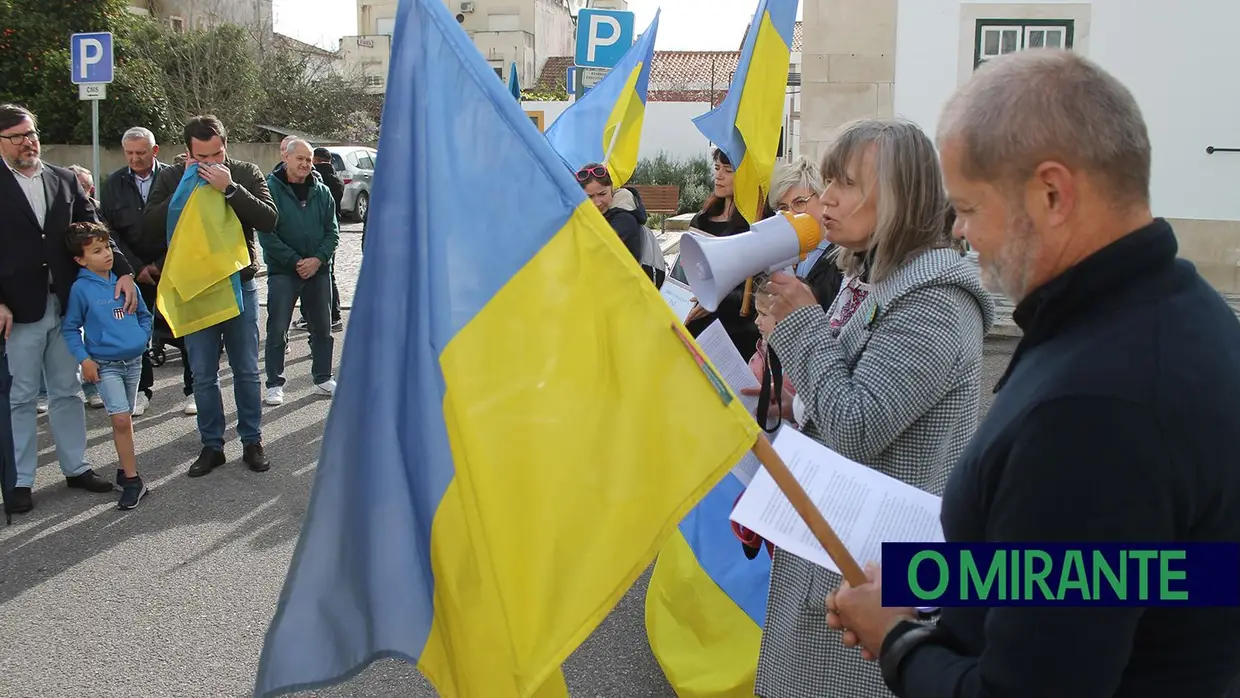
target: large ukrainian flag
502 459
606 124
746 125
200 283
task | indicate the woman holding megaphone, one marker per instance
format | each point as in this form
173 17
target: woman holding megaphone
889 375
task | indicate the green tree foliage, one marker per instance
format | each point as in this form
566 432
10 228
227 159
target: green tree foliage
163 77
206 71
34 69
694 176
303 92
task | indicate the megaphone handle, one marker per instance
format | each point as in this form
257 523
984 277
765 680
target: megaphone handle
748 299
809 513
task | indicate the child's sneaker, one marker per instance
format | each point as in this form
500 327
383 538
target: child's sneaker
132 492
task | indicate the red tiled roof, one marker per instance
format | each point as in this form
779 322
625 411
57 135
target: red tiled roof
554 73
693 70
693 75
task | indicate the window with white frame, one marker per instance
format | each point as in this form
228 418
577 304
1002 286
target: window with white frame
996 37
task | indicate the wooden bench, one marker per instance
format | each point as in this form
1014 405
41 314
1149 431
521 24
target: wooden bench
660 198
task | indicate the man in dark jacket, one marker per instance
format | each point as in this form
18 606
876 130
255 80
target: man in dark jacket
123 198
1116 421
37 271
245 190
298 251
326 172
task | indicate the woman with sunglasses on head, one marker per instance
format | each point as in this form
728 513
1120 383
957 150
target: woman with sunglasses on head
621 207
720 218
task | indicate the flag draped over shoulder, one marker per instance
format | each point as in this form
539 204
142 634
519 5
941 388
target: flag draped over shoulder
200 284
606 124
500 463
706 603
746 125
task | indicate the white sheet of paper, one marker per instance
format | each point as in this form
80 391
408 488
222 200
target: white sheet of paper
735 371
678 296
865 507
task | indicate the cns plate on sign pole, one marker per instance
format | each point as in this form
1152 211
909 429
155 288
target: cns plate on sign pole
91 68
603 37
93 91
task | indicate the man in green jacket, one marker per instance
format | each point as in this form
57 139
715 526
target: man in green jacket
298 253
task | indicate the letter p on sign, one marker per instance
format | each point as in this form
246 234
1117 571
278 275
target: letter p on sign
92 53
597 40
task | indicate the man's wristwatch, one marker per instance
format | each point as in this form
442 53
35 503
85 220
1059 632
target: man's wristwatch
230 190
905 637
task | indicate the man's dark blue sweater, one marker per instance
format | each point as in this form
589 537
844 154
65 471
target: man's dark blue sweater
1118 420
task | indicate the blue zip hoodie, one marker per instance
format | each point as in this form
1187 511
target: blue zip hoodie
111 333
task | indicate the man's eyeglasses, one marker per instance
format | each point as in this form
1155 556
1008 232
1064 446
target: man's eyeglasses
591 172
17 138
798 205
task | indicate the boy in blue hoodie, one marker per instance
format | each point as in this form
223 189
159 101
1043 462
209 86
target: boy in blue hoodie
112 354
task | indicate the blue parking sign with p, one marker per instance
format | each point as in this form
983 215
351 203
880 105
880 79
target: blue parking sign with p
90 57
603 37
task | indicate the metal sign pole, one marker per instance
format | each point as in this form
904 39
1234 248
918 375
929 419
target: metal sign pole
95 174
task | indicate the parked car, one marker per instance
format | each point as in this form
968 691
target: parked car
355 165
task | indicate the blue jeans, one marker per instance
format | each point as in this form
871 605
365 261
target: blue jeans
240 337
37 351
118 384
316 303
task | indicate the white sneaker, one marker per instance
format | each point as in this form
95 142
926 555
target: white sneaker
325 389
96 401
191 406
275 396
41 406
140 405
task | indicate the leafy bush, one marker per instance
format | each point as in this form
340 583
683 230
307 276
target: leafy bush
694 176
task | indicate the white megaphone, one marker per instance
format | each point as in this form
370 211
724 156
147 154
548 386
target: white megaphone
714 266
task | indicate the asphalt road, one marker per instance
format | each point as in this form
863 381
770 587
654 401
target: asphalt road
173 599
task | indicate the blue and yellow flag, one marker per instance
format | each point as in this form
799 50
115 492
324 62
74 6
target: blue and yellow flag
706 603
200 283
500 463
746 125
606 124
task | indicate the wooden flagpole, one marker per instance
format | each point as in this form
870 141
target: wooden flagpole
747 301
809 513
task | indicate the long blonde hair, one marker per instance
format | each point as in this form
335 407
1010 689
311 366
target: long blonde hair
912 204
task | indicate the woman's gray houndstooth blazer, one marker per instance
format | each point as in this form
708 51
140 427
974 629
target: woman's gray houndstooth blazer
898 388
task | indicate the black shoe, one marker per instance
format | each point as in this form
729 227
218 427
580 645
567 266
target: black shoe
132 492
20 501
90 481
253 456
208 460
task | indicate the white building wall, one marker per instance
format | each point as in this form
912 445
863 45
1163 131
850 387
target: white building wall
667 127
1180 64
553 35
